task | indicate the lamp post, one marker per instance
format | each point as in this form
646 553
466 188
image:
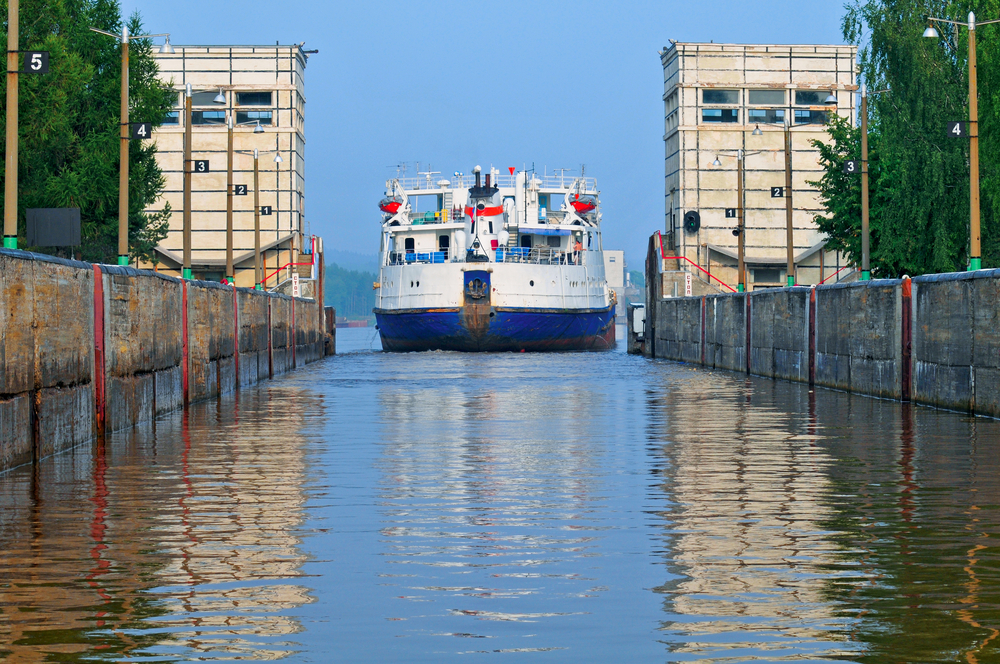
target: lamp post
975 256
740 231
123 132
230 270
789 241
188 94
258 272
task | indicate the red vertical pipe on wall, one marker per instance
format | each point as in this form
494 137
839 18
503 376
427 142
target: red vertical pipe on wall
747 296
812 337
703 330
906 334
184 340
270 340
236 337
99 394
293 337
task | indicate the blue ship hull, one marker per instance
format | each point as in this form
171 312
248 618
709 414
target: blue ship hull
486 328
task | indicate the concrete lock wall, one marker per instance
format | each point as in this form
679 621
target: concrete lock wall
87 349
933 340
858 343
956 341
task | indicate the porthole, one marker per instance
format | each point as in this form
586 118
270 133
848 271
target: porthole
418 284
531 283
411 284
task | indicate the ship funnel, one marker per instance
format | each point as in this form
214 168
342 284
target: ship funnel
487 180
477 177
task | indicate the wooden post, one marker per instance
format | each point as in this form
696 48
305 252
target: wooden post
975 260
123 157
790 269
10 177
186 273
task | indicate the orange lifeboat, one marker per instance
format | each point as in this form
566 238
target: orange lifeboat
390 204
584 204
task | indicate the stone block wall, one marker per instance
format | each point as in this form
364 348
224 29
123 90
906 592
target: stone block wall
934 339
858 344
87 349
956 341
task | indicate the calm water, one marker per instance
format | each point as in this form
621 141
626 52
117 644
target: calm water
558 508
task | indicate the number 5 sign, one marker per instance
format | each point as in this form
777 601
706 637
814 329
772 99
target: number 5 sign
36 62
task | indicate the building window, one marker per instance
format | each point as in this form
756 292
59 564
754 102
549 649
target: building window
766 115
766 276
253 98
810 117
173 117
208 117
810 97
720 115
264 117
204 98
766 97
720 96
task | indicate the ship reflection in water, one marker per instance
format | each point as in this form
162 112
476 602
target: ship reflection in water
571 507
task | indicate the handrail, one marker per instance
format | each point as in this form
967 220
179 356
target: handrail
283 267
710 275
846 267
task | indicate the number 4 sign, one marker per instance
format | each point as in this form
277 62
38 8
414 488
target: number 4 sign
957 130
141 130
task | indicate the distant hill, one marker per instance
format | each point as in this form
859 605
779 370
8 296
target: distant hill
350 291
350 260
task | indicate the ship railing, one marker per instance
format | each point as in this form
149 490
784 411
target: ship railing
503 180
539 256
411 257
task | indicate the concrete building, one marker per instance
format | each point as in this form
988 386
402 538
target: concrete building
615 273
715 96
260 84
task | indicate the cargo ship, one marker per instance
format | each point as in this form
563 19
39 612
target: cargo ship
513 263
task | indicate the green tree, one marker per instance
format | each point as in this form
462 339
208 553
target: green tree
919 180
69 123
349 292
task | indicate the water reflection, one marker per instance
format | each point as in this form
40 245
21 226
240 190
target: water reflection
179 538
436 506
823 525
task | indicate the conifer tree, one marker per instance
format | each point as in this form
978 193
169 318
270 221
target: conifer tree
69 123
919 182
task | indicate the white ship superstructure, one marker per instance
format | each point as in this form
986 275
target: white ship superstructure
512 262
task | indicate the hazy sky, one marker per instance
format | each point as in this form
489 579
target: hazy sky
452 84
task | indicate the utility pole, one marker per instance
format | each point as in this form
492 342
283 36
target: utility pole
790 270
229 204
258 278
10 175
866 273
740 227
186 273
123 157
